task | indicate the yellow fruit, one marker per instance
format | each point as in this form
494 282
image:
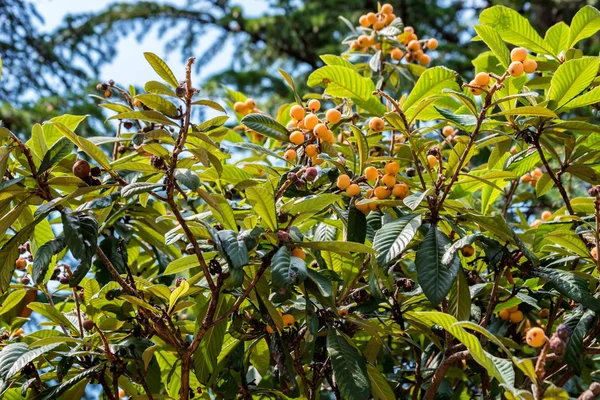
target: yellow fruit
310 150
518 54
369 193
363 40
516 317
397 54
389 18
354 45
137 103
382 192
529 66
314 105
290 155
526 178
376 124
364 208
468 251
250 104
514 150
535 337
389 180
379 25
320 130
474 88
513 309
269 329
371 173
504 314
343 313
387 8
107 93
432 44
333 116
288 319
353 190
297 137
364 21
431 160
372 18
413 45
447 130
343 181
424 60
310 121
317 161
297 112
482 79
121 393
373 206
21 263
240 108
536 223
593 252
392 167
546 215
400 190
537 173
298 252
516 69
328 137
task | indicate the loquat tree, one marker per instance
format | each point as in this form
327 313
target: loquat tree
376 240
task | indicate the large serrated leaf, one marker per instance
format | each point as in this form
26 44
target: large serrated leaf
264 205
267 126
188 178
432 82
287 271
349 367
43 257
574 348
570 285
62 148
571 78
393 237
9 254
145 115
583 25
495 43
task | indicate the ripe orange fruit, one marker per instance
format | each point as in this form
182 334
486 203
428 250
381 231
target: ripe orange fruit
372 18
364 21
400 190
21 263
537 173
269 329
392 167
424 60
343 313
389 18
317 161
343 181
364 208
121 393
320 130
536 223
516 69
535 337
353 190
447 130
482 79
389 180
297 137
250 104
526 178
297 112
328 137
431 160
432 44
593 252
382 192
397 54
504 314
516 317
467 251
387 8
288 319
518 54
298 252
379 25
513 309
546 215
476 91
310 121
333 116
544 313
240 108
290 155
363 41
376 124
371 173
314 105
529 66
310 150
413 45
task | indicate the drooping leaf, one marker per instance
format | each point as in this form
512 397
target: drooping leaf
267 126
264 205
187 178
145 115
349 367
494 41
393 238
62 148
570 285
575 348
287 270
43 257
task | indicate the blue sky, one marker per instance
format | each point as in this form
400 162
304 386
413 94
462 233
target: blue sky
130 51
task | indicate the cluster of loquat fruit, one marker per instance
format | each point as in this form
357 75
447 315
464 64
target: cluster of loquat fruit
532 177
22 262
244 108
287 319
513 314
413 47
519 64
310 131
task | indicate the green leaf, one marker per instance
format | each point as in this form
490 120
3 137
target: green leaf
543 185
514 29
494 41
211 104
43 257
50 312
393 238
557 36
528 111
571 78
356 230
188 178
362 145
338 247
591 97
139 187
263 202
570 285
435 276
62 148
346 83
583 25
27 357
380 389
310 204
158 103
12 300
432 82
287 271
177 294
81 235
88 147
145 115
574 348
235 252
159 88
459 304
267 126
290 83
349 367
9 254
161 68
258 149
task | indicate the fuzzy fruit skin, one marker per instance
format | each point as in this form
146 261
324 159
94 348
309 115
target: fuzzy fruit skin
290 155
476 91
269 329
310 150
298 252
343 181
431 160
504 314
594 253
529 66
388 180
392 167
21 264
518 54
400 190
376 124
371 173
432 44
397 54
424 60
382 192
81 169
513 309
333 116
314 105
535 337
88 324
482 79
343 313
240 107
364 21
413 45
311 174
250 104
310 121
297 137
468 250
546 215
297 112
387 8
288 319
516 69
321 130
447 130
516 317
353 190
